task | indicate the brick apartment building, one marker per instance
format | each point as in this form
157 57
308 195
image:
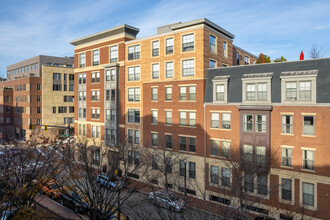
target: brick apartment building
39 90
276 117
151 89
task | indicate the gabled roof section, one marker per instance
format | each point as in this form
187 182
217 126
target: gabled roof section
204 21
107 33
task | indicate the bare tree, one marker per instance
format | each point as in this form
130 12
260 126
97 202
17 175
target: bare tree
25 167
316 51
122 162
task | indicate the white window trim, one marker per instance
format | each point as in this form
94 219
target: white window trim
280 189
222 82
301 194
255 81
298 78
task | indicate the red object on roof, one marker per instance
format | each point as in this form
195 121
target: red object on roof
302 55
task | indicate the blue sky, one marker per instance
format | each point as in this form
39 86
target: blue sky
275 28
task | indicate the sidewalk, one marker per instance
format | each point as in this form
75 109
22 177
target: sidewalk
57 209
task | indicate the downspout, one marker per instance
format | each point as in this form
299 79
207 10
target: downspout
204 151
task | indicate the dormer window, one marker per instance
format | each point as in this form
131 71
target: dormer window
220 85
298 86
256 88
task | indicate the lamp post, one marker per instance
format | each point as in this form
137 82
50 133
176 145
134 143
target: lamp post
185 180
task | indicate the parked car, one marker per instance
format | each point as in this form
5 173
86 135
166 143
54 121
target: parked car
167 200
72 199
111 182
53 189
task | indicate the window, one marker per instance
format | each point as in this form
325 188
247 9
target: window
168 164
291 90
220 92
183 143
169 46
188 67
246 60
82 112
130 136
260 154
248 153
107 95
57 82
168 117
62 109
154 116
225 177
308 159
168 141
192 119
214 173
287 157
183 118
134 73
96 57
154 139
214 148
113 54
308 125
134 52
183 93
192 93
168 91
82 96
248 182
225 149
250 91
8 120
137 136
262 181
192 144
169 69
82 60
96 157
133 115
286 187
155 48
133 94
262 91
308 194
305 90
8 109
82 78
38 87
287 124
192 170
155 71
226 121
155 162
182 167
95 95
71 109
260 123
96 77
248 122
212 63
110 75
224 49
237 58
212 44
154 94
95 113
214 120
187 42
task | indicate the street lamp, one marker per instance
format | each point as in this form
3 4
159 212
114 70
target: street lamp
185 180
